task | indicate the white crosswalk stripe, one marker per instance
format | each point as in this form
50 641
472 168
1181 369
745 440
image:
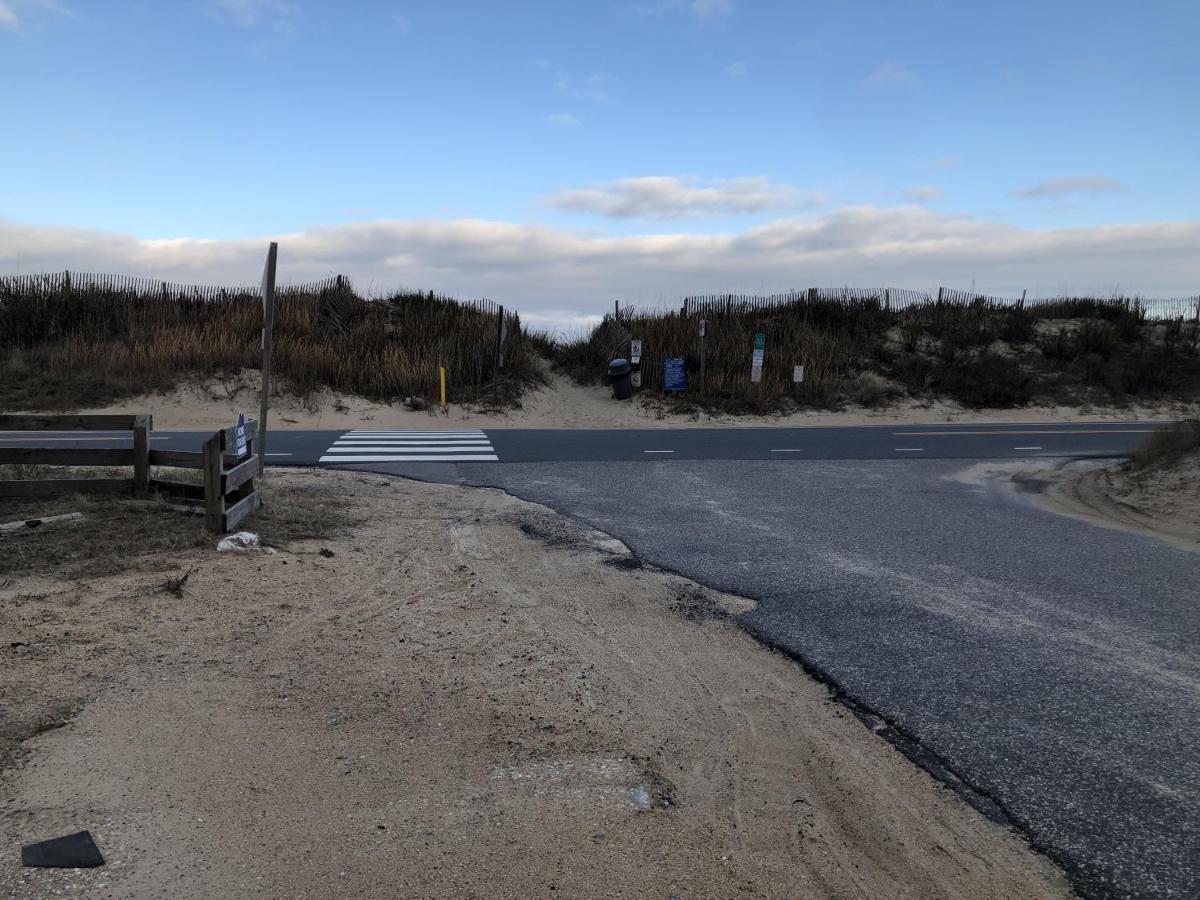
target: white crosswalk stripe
411 446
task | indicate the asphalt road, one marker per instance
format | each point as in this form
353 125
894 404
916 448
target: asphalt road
1051 664
595 445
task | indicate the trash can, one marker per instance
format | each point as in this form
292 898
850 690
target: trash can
619 377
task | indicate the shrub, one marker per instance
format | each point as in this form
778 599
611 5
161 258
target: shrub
1168 445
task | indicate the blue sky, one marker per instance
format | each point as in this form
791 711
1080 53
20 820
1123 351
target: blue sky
240 120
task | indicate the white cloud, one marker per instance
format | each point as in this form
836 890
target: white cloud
923 193
596 87
402 24
667 197
1077 184
708 9
564 120
550 271
734 70
250 13
9 9
890 73
701 9
946 162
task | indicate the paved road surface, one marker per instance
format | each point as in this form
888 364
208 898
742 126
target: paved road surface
592 445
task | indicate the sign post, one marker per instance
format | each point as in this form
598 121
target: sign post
635 361
756 360
703 334
268 298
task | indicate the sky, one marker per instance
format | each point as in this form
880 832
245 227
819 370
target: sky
557 156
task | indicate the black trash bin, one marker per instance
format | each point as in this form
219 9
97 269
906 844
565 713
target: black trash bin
619 377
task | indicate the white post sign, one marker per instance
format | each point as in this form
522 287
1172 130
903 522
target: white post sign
798 375
703 327
635 351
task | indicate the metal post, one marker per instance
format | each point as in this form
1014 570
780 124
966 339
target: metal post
442 385
268 295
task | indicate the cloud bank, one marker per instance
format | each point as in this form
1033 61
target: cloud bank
667 197
1078 184
558 274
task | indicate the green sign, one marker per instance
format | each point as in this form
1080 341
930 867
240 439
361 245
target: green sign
760 341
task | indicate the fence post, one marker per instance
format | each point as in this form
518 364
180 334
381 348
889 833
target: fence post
939 300
500 336
268 299
141 455
214 500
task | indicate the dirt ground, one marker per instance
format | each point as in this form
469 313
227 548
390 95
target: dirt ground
560 404
461 695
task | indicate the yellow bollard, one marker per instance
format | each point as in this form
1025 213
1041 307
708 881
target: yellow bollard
442 382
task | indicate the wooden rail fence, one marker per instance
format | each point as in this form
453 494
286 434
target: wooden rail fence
226 497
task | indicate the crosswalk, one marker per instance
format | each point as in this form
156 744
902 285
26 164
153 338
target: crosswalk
410 446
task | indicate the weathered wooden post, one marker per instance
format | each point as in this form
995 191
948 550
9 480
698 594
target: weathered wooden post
142 426
268 298
214 498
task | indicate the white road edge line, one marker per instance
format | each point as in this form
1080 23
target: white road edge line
1027 448
658 451
787 451
909 449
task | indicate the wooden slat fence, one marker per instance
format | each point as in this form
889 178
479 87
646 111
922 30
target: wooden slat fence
226 497
713 305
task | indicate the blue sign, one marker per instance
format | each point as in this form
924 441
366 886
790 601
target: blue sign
674 375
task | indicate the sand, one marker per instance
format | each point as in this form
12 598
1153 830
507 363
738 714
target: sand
462 695
560 404
1163 502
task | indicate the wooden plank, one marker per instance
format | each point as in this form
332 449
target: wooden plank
30 524
188 489
240 510
57 487
65 456
177 459
141 455
239 475
214 500
66 423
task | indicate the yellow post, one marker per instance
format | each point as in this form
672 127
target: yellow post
442 382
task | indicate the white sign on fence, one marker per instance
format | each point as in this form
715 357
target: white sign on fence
635 351
703 327
239 432
798 374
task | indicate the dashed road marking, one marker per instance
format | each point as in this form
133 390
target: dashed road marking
1027 448
658 451
787 451
910 449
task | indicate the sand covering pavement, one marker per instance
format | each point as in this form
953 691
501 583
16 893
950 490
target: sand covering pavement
464 695
1162 501
561 403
